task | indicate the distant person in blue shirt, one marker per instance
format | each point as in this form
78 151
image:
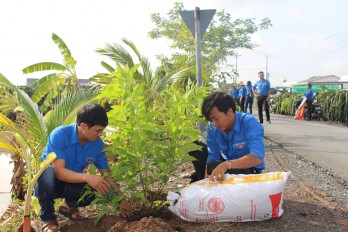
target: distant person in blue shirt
234 140
235 93
249 98
241 96
76 146
309 101
262 92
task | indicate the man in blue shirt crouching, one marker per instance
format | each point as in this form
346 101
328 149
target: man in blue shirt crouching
76 146
234 140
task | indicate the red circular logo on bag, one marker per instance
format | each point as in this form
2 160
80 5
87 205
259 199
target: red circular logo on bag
216 205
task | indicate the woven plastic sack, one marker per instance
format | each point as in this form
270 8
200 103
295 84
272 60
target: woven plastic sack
239 198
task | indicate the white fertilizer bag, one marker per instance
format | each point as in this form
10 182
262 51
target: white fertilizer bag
239 198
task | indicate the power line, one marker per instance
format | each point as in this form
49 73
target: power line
313 45
305 62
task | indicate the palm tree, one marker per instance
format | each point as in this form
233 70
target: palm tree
119 54
27 137
59 82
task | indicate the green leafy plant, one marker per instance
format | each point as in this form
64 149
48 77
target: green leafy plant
61 81
26 138
149 142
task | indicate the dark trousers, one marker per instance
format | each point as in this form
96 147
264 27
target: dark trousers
48 188
309 104
262 102
248 104
241 103
201 163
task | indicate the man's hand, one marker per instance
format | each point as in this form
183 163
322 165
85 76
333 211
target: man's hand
219 172
98 183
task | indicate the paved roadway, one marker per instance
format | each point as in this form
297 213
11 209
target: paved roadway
325 144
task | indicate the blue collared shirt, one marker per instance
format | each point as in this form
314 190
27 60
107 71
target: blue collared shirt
64 142
242 92
262 87
235 92
309 94
245 138
249 91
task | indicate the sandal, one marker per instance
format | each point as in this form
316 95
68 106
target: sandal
71 213
51 226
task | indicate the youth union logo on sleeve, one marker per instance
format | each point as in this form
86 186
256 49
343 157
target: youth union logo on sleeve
239 145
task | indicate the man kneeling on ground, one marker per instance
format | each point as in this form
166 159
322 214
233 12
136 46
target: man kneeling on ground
234 140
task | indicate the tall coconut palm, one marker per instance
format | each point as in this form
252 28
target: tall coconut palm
27 137
57 83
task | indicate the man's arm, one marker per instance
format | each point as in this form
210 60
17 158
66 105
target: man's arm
254 90
212 147
244 162
269 91
69 176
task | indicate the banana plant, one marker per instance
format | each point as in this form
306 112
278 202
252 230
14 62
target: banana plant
28 136
43 166
59 82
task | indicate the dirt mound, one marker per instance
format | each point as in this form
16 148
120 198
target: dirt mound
144 225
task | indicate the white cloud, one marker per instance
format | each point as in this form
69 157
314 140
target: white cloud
296 14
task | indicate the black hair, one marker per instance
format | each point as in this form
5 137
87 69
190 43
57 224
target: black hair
248 83
221 100
310 85
92 115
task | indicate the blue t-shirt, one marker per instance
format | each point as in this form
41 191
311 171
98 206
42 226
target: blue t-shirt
309 94
64 142
242 92
249 91
262 87
245 138
235 92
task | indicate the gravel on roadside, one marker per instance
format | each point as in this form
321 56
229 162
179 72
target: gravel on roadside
314 199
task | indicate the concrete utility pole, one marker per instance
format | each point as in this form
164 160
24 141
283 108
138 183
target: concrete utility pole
197 21
235 75
198 46
267 75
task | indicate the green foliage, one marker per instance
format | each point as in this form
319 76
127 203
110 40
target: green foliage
219 42
121 57
334 102
149 142
27 135
56 84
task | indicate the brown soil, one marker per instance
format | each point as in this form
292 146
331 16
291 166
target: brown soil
306 208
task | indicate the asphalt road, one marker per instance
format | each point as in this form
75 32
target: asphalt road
323 143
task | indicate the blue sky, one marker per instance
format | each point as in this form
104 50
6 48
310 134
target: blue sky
308 38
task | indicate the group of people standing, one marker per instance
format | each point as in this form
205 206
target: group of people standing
244 96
